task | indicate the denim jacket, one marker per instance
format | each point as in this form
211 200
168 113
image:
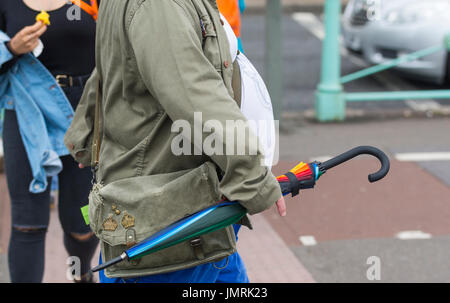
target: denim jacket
43 112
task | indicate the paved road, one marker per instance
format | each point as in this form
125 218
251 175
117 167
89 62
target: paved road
352 220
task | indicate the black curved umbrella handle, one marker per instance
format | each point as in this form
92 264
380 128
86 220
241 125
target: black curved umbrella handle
361 150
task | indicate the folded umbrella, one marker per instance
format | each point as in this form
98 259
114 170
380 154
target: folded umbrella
225 213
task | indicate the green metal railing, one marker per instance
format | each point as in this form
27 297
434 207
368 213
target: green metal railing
330 96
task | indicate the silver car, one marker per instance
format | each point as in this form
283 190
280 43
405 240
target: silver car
383 30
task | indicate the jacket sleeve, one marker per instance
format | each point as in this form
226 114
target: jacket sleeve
7 59
171 61
79 137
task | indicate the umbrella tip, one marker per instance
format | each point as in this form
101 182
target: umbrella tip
111 262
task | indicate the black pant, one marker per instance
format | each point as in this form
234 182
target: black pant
30 212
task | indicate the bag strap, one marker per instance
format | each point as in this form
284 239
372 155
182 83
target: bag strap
236 85
97 140
236 81
201 10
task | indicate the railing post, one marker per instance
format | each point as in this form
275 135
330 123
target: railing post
273 68
330 101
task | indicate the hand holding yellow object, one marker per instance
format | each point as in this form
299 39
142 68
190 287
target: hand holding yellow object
44 17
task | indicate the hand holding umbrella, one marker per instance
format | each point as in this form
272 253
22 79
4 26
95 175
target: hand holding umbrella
225 213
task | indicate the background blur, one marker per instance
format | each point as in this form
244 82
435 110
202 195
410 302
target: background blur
345 230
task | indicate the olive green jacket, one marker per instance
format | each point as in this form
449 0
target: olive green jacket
159 61
157 64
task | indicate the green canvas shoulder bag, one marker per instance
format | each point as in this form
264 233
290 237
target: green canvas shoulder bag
125 212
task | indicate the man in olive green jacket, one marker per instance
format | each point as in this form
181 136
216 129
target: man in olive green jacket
160 61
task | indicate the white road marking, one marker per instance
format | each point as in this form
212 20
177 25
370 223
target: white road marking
418 157
424 105
413 235
312 23
308 240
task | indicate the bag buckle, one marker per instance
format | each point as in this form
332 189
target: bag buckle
61 77
196 244
130 238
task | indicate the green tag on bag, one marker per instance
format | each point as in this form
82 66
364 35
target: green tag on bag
85 212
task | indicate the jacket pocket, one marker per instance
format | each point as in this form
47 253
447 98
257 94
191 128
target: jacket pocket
127 211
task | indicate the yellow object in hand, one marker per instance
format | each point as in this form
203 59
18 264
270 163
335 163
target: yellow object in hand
44 17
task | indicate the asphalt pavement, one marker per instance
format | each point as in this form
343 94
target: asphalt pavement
335 229
338 231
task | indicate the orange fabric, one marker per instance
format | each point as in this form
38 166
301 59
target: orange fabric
90 9
230 10
94 5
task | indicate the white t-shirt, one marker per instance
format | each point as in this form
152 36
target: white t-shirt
255 100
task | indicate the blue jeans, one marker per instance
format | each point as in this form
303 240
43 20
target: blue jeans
218 272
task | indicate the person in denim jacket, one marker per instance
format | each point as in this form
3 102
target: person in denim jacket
39 98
